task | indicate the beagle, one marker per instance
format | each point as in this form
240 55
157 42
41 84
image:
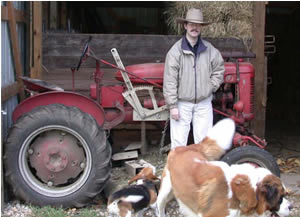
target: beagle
133 200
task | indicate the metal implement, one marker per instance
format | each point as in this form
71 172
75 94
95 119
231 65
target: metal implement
140 113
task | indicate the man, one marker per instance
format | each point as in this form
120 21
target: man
194 69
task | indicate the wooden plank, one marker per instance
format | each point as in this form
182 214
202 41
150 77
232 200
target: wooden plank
82 74
64 50
107 41
19 15
125 155
31 66
15 47
54 62
9 91
37 40
258 124
67 84
133 146
63 78
134 127
28 45
63 15
144 148
45 5
4 13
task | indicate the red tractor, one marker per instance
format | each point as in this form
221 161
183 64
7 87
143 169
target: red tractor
57 152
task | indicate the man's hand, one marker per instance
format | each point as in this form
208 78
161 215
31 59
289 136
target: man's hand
175 114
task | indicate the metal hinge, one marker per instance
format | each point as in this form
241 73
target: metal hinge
270 47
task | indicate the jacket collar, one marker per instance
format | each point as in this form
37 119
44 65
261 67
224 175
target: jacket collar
185 46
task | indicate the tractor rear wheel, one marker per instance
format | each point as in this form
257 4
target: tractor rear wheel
253 155
57 155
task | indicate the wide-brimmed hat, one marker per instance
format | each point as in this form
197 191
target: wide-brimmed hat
193 15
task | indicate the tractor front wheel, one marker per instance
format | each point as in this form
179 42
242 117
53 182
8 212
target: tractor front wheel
57 155
253 155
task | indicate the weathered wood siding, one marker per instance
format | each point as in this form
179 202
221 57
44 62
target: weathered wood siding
62 50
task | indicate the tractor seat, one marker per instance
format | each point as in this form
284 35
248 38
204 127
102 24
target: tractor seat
38 85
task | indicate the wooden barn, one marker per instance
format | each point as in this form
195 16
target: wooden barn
43 40
49 37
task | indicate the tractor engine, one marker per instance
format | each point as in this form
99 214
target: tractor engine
235 97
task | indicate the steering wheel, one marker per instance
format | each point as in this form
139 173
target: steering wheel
85 50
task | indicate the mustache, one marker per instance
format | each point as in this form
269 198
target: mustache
194 30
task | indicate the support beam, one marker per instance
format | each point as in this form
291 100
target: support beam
144 148
53 15
63 15
9 91
46 17
259 15
37 40
15 47
19 15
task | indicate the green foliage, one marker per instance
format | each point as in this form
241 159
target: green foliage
48 211
86 212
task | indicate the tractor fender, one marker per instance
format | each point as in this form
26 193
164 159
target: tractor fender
84 103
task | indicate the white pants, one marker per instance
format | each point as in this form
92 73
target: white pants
201 115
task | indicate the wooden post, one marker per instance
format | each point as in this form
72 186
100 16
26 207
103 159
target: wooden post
53 15
45 6
144 147
15 47
30 28
37 40
9 91
63 15
258 124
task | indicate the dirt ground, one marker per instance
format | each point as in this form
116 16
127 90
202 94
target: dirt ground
284 145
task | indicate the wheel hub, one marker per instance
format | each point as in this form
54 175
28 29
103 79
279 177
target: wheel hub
56 157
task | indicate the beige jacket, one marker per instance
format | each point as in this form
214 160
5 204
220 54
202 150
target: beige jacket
189 79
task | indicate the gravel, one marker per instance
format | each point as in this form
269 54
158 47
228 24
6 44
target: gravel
16 209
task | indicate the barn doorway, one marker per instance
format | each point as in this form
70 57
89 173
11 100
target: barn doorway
283 91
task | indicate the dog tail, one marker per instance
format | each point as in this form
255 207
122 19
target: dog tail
218 139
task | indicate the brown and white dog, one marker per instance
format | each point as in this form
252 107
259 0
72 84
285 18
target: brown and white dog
204 187
133 200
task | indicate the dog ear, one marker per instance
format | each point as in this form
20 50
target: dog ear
152 177
244 193
145 173
137 177
270 192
